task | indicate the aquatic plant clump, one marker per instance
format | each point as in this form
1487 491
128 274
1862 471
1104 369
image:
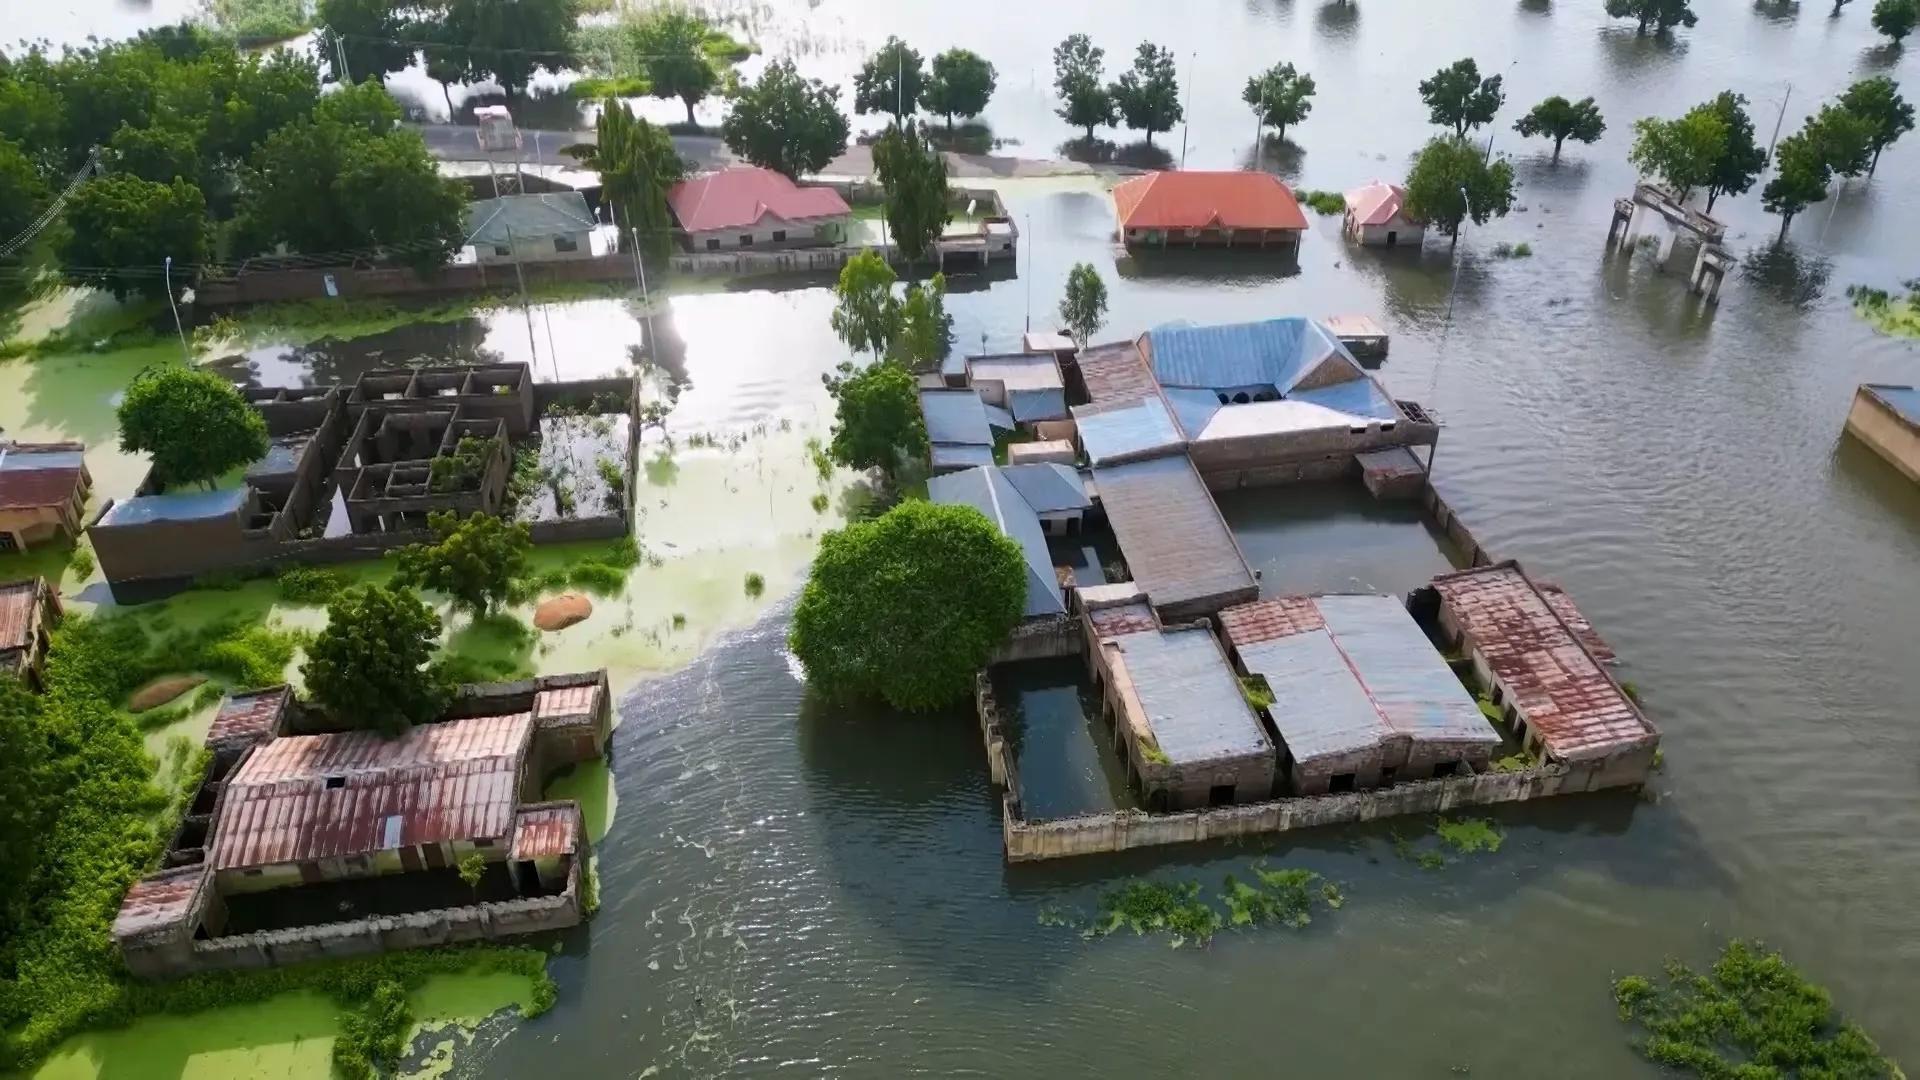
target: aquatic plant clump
1153 906
1753 1016
1469 835
1281 896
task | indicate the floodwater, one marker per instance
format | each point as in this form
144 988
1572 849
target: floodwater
792 887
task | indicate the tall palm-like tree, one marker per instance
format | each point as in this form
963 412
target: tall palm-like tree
638 166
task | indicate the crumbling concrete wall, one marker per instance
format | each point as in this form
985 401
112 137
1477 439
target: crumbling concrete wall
1043 637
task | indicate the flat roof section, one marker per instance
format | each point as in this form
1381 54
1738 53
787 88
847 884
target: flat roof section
1017 371
956 417
1554 681
1319 706
1114 433
1189 696
160 901
176 506
1171 533
1903 400
1402 672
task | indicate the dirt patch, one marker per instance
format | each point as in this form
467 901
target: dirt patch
162 690
562 611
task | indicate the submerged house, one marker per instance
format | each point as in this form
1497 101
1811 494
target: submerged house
751 207
1887 419
959 428
29 610
43 493
340 843
1377 216
549 227
1209 209
1026 502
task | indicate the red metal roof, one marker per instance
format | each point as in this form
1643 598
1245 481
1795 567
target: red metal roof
1558 687
19 600
1123 619
252 715
1269 620
546 830
567 704
160 901
30 489
321 796
1376 203
1563 606
1203 200
739 197
1116 374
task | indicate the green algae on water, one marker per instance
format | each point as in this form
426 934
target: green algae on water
590 783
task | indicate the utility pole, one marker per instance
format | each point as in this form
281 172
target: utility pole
1777 121
167 269
1185 121
340 52
1259 123
646 302
1029 271
525 307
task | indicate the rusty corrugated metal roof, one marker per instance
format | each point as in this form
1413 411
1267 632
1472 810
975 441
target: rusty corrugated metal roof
1171 533
1563 606
1557 685
1116 374
19 600
322 796
1266 620
1123 619
546 830
160 901
254 714
567 704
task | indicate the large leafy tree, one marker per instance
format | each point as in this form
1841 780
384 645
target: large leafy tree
22 193
363 106
1742 159
193 423
159 154
369 32
1888 115
1084 306
1148 94
670 43
1659 14
121 222
961 85
908 606
1458 98
1452 182
508 40
474 561
1558 119
1844 139
1077 78
866 315
638 166
1801 181
889 82
1280 96
371 666
1682 152
914 177
1896 18
786 123
27 803
32 114
925 335
876 419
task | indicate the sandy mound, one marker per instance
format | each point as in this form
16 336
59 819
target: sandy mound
562 611
162 690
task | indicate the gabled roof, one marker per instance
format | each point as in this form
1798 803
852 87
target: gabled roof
988 490
955 417
1377 203
1203 200
1285 354
553 213
33 476
739 197
1049 488
1170 531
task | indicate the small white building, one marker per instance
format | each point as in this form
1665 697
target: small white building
1377 216
549 227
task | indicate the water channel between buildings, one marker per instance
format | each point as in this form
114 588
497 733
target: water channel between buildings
794 887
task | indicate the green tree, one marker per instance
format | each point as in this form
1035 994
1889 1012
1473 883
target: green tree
32 115
1896 18
123 222
508 40
1888 116
925 336
1280 96
366 106
1660 14
961 85
1742 159
1800 182
372 664
27 803
908 606
1077 78
1558 119
889 82
876 417
1148 94
1084 307
866 315
786 123
670 43
193 423
1452 182
473 868
1458 98
638 166
474 561
447 57
369 31
1682 152
22 193
156 154
914 177
250 98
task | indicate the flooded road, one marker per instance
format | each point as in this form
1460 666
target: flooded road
803 889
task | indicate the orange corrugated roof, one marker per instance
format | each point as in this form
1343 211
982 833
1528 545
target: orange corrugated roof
1203 200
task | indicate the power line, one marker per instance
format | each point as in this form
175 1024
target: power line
33 229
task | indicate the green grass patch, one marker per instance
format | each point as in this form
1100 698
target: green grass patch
597 578
1324 202
1752 1016
1893 314
1504 250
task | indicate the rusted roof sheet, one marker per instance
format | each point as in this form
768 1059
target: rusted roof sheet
19 600
247 716
1265 620
567 704
322 796
1123 619
546 831
1558 687
1563 606
31 489
1116 374
160 901
1171 533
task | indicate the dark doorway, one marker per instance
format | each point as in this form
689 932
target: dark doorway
1445 768
1220 795
436 858
410 859
1340 782
1393 238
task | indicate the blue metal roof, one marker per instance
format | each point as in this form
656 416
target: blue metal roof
1273 353
999 418
1904 400
19 459
955 416
948 457
1191 698
1403 673
1048 487
177 506
1136 431
1193 407
1356 397
991 493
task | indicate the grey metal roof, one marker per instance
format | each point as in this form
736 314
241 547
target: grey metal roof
1175 542
553 213
1403 673
1046 403
988 491
1048 488
948 457
1193 407
1113 435
1190 696
1319 708
176 506
1904 400
1276 352
955 416
1359 397
27 458
998 417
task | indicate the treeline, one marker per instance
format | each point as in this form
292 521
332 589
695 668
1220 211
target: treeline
207 155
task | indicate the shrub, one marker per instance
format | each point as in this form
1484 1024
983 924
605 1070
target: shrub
1324 202
755 585
820 503
310 584
81 561
597 578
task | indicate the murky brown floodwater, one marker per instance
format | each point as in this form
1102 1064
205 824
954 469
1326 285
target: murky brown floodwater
791 888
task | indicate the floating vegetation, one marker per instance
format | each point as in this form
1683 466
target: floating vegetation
1504 250
1153 906
822 464
1753 1016
1279 896
1465 836
597 578
1324 202
310 584
755 585
1283 896
1893 314
820 503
